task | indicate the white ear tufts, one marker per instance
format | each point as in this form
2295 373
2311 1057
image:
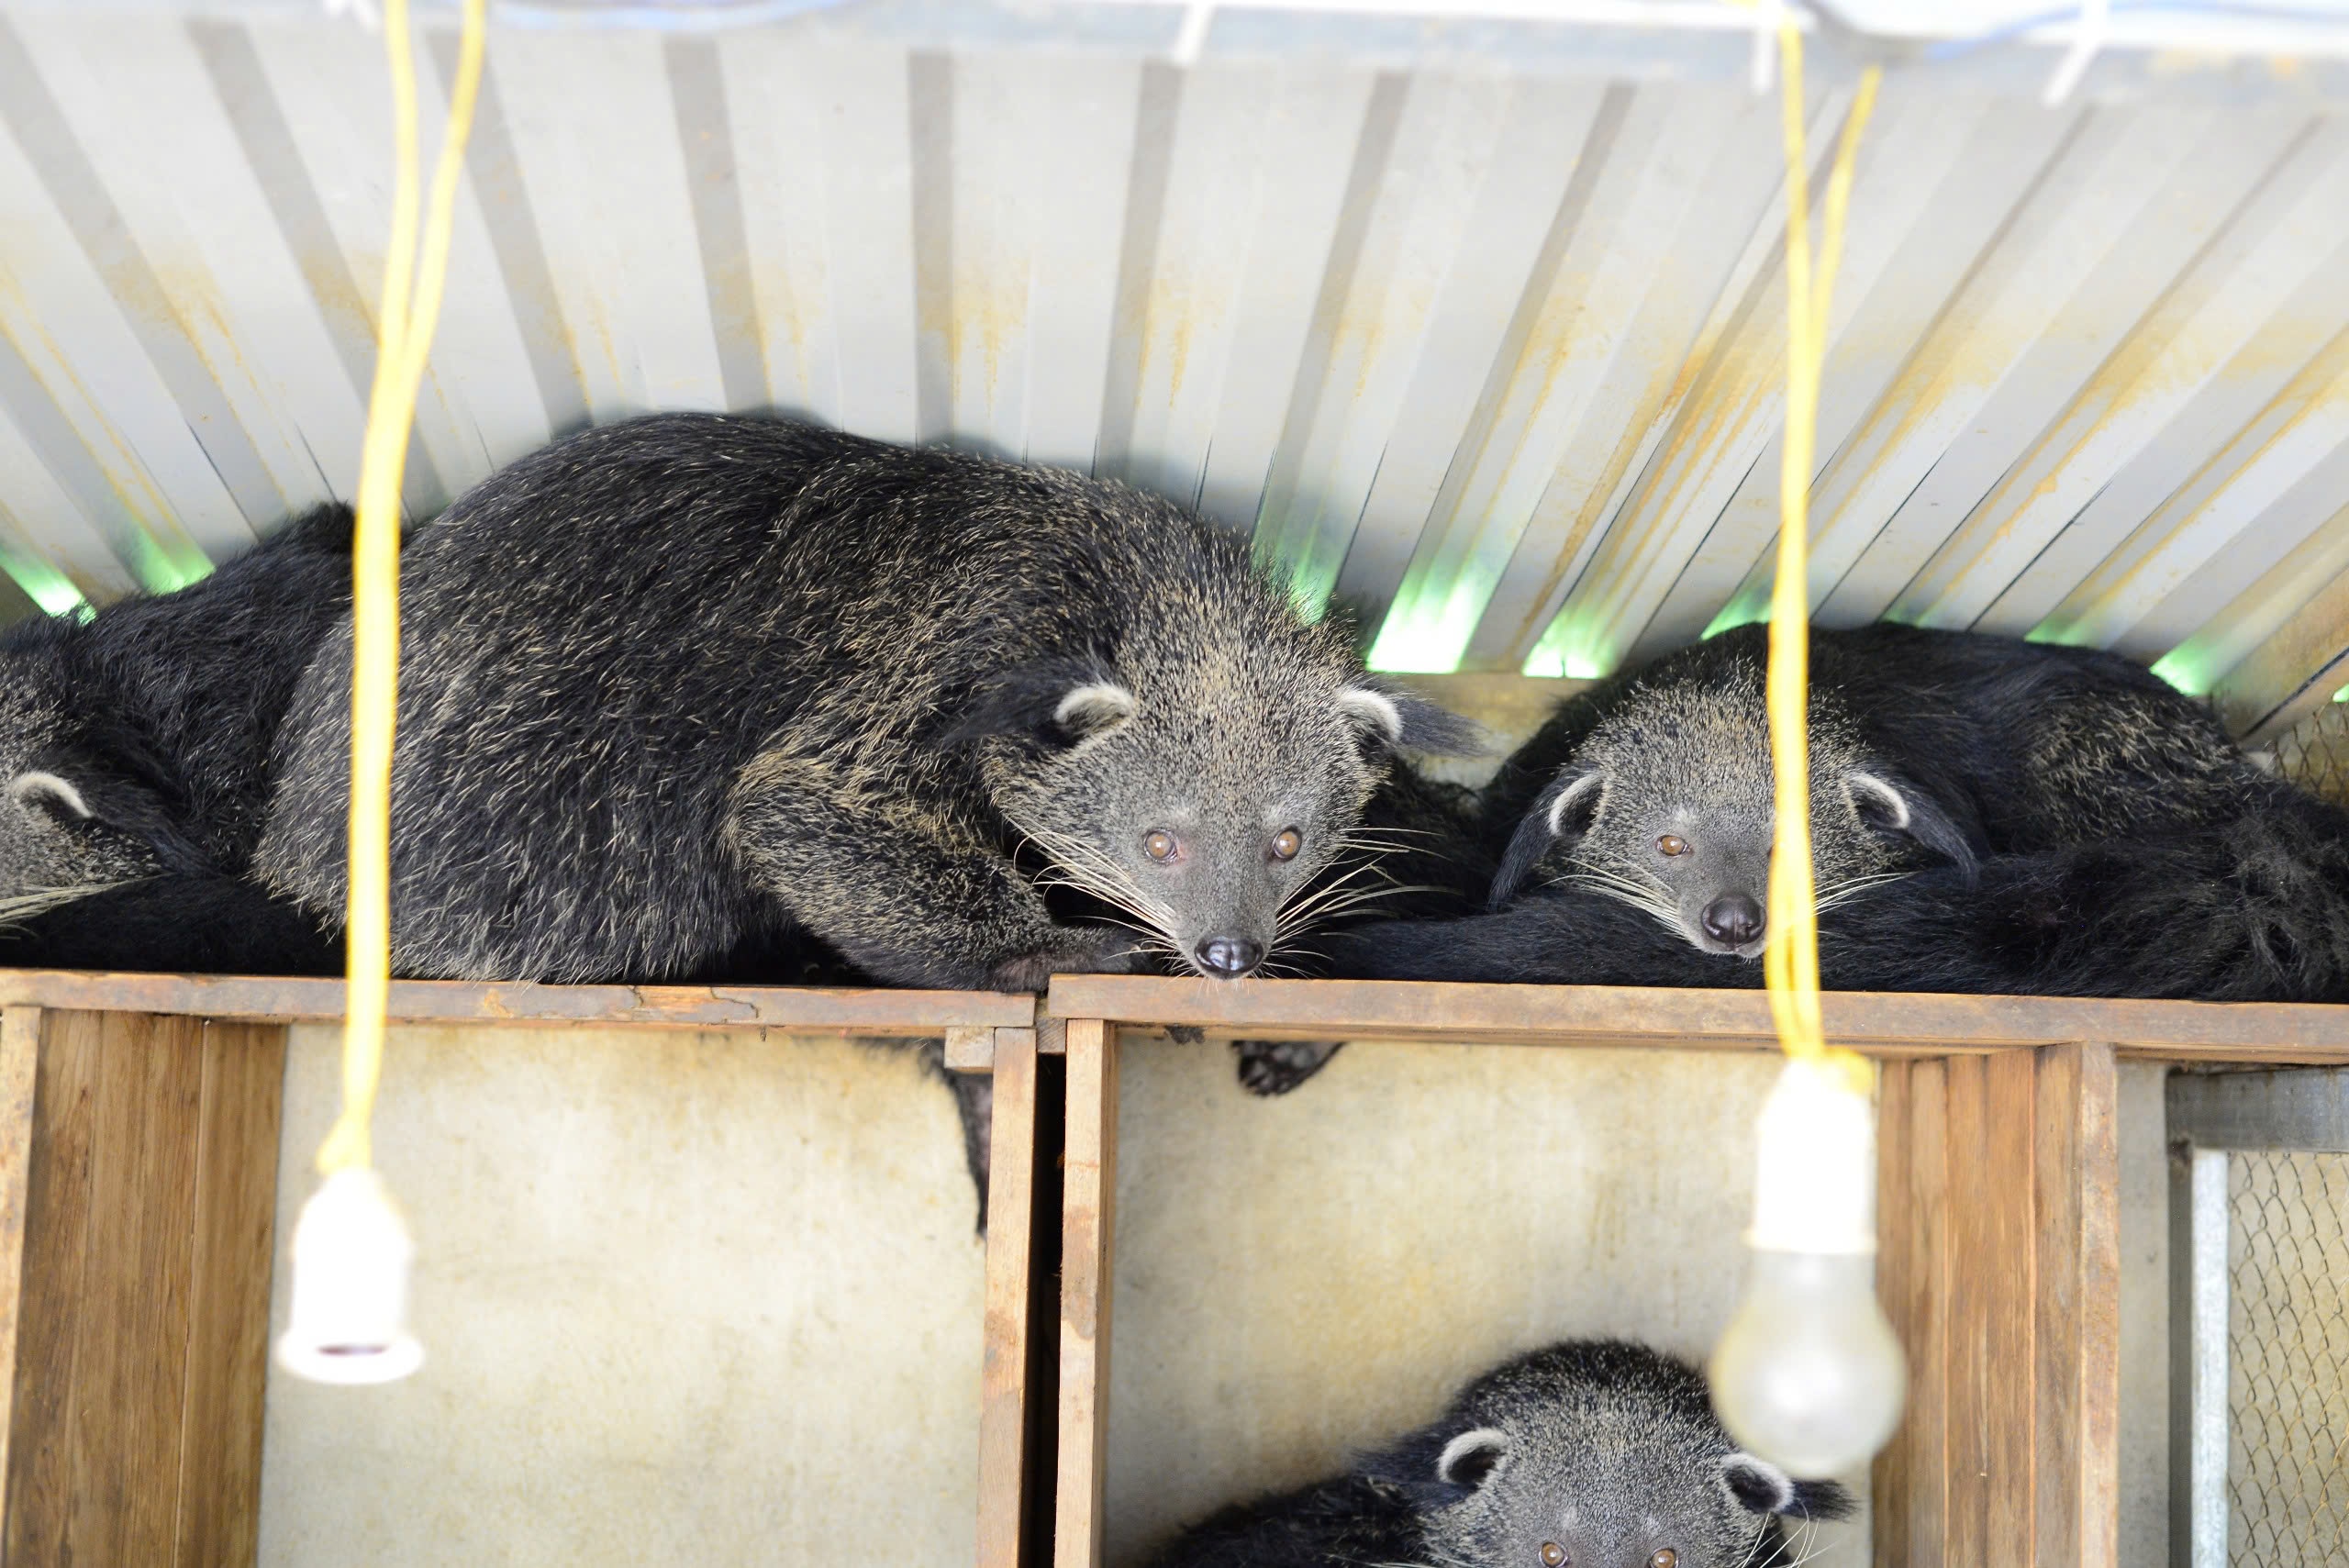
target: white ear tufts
1571 797
1895 803
1095 706
39 788
1490 1443
1372 710
1757 1485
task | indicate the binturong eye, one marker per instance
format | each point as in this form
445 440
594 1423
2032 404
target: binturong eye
1667 1558
1286 844
1672 844
1552 1555
1160 845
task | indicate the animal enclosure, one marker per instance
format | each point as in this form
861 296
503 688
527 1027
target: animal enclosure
1468 317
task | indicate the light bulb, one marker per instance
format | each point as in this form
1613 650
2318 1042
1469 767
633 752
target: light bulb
348 1319
1808 1374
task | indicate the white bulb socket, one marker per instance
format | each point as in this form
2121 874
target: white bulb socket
348 1319
1808 1374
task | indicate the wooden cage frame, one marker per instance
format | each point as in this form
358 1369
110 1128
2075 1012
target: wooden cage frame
138 1155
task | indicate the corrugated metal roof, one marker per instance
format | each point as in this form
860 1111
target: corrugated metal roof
1495 355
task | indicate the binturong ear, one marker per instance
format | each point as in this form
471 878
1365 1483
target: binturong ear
1562 813
1761 1487
1394 719
1893 805
52 796
1056 702
1469 1460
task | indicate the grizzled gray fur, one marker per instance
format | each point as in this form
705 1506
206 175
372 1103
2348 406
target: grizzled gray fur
134 743
1591 1453
1926 748
676 682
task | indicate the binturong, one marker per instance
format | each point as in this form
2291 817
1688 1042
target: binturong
1590 1454
672 684
1926 749
134 743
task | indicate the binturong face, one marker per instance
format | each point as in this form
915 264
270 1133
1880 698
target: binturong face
1670 807
68 827
1204 803
1596 1454
1522 1502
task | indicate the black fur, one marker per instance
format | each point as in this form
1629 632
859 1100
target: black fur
2255 908
160 713
677 679
185 922
1608 1449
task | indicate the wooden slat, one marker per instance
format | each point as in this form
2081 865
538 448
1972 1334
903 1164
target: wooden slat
791 1010
227 1342
1927 1425
2077 1322
1003 1384
2004 1264
1883 1024
57 1229
1972 1286
1087 1248
123 1436
1898 1265
19 1064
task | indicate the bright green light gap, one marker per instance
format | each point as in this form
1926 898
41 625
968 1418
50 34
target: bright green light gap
45 585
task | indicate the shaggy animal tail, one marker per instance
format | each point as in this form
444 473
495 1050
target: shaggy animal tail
2257 909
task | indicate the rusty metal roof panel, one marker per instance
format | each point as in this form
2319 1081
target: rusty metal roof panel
1477 325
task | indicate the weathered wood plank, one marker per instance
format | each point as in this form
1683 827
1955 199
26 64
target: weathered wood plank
1876 1023
2004 1264
790 1009
19 1066
1898 1262
1933 1245
57 1229
1087 1231
1003 1385
1971 1297
123 1436
227 1342
2077 1320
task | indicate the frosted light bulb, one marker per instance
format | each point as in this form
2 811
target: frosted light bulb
1808 1374
347 1320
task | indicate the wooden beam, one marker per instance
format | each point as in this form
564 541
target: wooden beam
1003 1385
1087 1231
143 1289
1881 1024
2078 1162
2000 1270
788 1010
969 1047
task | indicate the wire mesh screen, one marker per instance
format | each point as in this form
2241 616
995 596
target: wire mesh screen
2288 1350
2314 753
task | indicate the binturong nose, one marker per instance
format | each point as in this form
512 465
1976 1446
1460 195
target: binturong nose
1230 957
1733 920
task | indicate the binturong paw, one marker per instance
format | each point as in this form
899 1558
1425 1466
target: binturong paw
1077 949
1270 1067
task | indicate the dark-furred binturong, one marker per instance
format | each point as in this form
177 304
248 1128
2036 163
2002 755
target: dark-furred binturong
134 743
1590 1454
1926 749
969 723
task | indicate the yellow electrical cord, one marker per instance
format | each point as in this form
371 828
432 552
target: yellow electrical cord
403 342
1790 964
